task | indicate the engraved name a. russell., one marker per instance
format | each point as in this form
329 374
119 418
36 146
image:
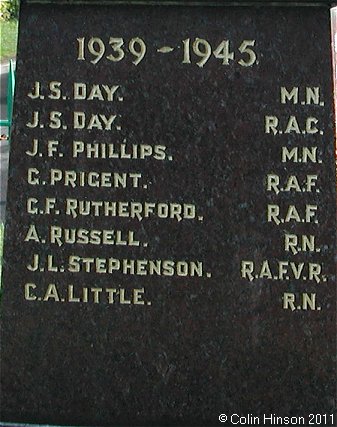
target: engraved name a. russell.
83 236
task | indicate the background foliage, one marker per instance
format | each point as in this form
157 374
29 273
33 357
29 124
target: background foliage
9 9
8 39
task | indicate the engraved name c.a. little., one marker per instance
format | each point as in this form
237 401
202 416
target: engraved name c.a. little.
62 293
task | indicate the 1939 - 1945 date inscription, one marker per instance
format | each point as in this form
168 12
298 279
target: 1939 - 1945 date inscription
197 50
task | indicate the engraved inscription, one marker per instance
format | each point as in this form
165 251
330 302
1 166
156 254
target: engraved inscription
293 201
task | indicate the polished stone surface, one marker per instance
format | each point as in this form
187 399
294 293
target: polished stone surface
198 346
226 3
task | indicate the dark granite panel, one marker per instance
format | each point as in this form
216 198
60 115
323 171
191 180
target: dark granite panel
191 2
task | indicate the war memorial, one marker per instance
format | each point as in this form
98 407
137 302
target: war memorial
170 240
